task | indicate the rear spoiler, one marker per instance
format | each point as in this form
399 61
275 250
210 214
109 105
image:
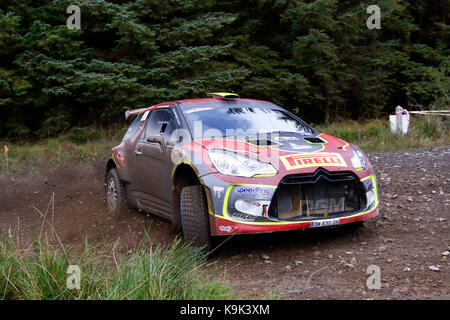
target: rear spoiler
129 113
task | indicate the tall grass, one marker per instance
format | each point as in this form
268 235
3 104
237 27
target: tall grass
80 147
376 135
171 272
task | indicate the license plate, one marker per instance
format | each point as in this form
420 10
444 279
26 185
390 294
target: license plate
324 223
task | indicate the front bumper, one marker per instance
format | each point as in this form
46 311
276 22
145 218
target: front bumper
227 227
225 221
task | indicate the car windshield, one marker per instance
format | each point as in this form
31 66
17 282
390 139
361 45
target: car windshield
238 120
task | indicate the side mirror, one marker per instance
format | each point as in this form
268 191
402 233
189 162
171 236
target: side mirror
156 138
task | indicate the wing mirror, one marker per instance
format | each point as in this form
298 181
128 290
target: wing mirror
156 138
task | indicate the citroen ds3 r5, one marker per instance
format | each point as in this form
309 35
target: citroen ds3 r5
226 165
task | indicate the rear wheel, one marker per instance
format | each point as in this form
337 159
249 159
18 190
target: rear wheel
116 196
194 217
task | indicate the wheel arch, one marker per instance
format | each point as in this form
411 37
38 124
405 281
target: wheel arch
185 174
110 164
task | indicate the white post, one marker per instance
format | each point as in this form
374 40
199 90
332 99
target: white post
398 117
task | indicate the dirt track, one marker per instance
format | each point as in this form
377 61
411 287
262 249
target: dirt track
410 236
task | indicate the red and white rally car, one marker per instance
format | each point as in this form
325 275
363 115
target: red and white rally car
226 165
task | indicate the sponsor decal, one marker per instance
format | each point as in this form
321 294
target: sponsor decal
295 146
120 158
197 110
243 216
218 191
252 190
318 159
262 196
228 229
277 138
324 223
144 117
367 183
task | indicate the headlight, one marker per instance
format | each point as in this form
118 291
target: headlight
358 159
233 164
370 197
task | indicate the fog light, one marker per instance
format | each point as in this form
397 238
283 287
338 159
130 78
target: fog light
253 207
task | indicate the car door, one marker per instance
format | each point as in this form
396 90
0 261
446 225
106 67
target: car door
153 170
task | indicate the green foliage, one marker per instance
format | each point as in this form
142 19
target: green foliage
162 273
315 57
83 135
54 125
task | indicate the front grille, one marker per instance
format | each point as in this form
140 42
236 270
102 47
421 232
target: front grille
319 195
319 174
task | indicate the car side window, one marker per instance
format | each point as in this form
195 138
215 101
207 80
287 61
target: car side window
161 121
133 127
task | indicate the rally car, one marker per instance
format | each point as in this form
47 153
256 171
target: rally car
226 165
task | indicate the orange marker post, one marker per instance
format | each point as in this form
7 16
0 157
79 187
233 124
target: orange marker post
6 156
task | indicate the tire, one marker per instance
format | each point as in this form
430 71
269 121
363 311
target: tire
116 195
194 217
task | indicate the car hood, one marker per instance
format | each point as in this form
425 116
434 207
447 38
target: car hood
270 147
288 153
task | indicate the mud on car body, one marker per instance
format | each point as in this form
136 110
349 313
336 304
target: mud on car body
226 165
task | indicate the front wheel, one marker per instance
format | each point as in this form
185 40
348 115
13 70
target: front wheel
194 217
116 196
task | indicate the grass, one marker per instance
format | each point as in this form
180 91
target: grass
172 272
69 148
94 145
376 135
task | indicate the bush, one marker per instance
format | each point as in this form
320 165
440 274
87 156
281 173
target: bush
82 135
54 125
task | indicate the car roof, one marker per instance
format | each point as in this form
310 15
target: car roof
196 101
203 100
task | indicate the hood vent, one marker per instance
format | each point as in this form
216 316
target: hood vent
314 140
262 142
